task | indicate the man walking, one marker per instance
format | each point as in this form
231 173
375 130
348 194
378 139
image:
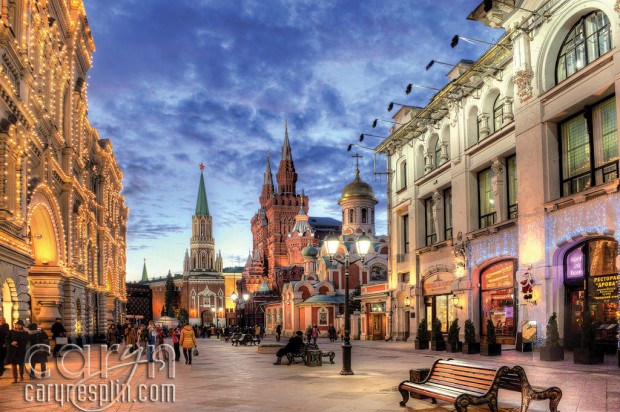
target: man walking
58 331
4 332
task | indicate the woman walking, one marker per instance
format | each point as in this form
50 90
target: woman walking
315 333
131 339
37 337
188 342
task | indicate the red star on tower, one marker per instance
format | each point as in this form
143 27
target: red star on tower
202 166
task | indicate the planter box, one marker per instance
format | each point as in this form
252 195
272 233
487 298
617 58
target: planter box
588 356
421 344
551 353
438 345
471 348
454 347
491 349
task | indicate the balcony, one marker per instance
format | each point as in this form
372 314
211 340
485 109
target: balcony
402 257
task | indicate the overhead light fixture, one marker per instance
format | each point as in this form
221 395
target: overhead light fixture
358 145
455 41
374 122
392 104
410 86
371 135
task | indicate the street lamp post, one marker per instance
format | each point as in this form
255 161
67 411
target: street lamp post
246 297
214 312
362 245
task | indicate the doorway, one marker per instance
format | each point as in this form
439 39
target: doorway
377 322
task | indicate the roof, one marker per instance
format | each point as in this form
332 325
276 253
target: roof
336 300
202 207
358 189
323 221
234 269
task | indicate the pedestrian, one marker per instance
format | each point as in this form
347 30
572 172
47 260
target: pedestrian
131 338
143 337
111 337
126 328
159 341
331 332
152 335
176 334
293 346
188 342
4 332
262 332
37 337
315 333
119 333
58 331
257 331
278 332
17 340
308 333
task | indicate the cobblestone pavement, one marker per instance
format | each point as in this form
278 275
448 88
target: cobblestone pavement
227 378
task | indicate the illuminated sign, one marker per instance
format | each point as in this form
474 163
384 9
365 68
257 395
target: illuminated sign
439 284
499 275
604 288
574 264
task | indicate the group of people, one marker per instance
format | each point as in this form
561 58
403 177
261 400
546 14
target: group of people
297 341
14 344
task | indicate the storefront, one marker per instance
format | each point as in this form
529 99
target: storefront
374 311
497 300
438 299
591 281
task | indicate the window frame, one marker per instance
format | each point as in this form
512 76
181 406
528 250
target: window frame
498 110
447 194
489 216
430 238
581 22
513 209
598 175
405 233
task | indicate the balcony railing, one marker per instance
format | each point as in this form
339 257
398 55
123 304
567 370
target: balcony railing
402 257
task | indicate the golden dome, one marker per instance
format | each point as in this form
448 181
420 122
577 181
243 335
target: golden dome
358 188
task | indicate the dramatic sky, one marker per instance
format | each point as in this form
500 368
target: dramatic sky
177 83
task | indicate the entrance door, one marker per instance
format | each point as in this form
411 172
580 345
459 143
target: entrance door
377 327
572 322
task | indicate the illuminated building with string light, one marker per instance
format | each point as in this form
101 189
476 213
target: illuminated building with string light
62 216
503 200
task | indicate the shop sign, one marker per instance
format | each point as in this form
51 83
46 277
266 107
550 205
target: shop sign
439 284
604 288
574 264
499 275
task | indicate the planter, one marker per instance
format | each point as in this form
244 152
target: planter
491 349
588 356
471 348
551 353
439 345
454 347
421 344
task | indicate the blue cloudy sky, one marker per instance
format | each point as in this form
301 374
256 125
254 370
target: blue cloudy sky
177 83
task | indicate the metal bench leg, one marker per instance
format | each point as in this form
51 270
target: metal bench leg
405 395
555 396
331 357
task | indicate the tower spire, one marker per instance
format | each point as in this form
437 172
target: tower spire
268 177
286 176
145 276
286 147
202 206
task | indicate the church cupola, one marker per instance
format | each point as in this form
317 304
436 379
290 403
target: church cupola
358 205
286 176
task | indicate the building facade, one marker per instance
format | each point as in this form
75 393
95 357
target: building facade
504 189
62 217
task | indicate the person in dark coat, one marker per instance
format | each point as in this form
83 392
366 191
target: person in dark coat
4 331
58 331
278 332
293 346
37 337
17 340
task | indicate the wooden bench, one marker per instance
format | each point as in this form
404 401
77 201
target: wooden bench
303 352
252 340
460 383
517 381
240 339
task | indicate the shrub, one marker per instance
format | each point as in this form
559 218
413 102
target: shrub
423 330
470 332
436 330
453 333
491 332
553 335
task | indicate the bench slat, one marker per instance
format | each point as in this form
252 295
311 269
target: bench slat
459 383
480 370
464 375
432 389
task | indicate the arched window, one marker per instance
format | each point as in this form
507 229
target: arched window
498 114
350 215
437 153
364 212
587 40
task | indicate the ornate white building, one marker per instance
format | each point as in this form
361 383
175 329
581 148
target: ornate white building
510 173
62 217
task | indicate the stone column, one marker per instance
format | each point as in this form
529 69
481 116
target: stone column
47 298
522 67
485 130
437 209
508 114
428 163
444 152
499 192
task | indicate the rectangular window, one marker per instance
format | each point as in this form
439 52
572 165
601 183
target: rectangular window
403 175
486 200
404 277
447 212
405 233
431 236
589 148
511 175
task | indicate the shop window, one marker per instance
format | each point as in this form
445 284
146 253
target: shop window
588 40
486 199
498 114
447 212
497 298
511 175
589 148
438 293
431 236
